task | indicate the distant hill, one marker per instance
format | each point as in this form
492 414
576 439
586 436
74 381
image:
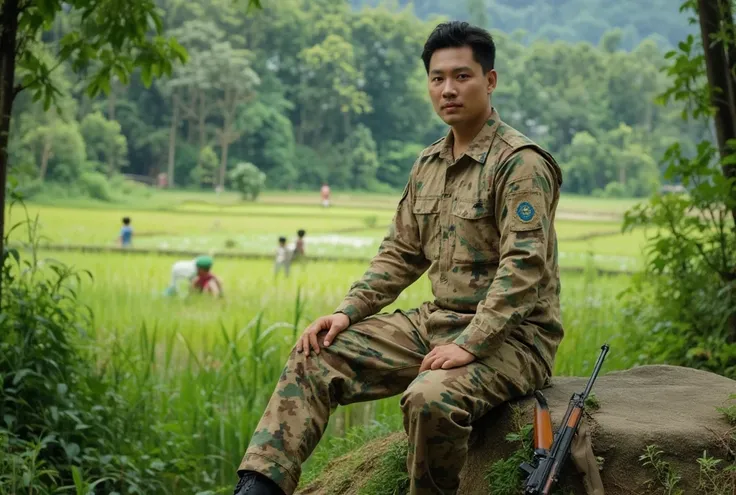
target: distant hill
570 20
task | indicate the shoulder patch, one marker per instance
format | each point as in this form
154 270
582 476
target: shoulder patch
525 210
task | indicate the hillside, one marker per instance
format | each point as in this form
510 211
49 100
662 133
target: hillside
568 20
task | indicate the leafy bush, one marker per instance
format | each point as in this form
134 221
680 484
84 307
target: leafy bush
64 421
127 187
247 180
614 190
684 305
96 186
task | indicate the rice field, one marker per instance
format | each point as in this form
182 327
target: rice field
208 367
337 232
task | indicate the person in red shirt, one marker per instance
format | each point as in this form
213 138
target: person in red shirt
325 193
205 281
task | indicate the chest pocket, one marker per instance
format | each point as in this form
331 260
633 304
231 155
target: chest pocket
476 235
426 210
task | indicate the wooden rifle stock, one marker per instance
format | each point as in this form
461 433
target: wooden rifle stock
551 451
543 434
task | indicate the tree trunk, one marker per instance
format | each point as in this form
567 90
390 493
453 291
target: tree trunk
191 115
223 162
201 124
45 155
715 17
228 115
111 117
172 141
711 15
9 31
300 127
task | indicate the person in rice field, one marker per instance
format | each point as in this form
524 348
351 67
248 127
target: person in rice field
126 234
205 282
196 274
478 216
282 259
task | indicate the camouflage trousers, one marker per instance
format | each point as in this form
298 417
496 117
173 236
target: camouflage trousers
380 357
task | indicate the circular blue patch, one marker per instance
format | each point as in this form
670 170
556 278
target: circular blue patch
525 211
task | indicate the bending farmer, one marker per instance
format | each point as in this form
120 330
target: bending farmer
478 215
205 281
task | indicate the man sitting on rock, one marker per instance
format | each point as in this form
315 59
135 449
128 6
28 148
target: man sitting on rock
477 214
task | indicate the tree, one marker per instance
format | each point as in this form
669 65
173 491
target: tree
361 158
59 150
105 143
688 291
231 71
477 12
247 179
204 173
108 36
329 89
191 87
717 31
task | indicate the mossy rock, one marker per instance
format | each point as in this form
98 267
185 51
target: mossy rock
671 407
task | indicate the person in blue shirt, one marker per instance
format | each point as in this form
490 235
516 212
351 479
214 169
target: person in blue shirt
126 233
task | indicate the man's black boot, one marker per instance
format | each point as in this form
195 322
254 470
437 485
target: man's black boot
253 483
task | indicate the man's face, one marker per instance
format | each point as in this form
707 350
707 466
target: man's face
459 89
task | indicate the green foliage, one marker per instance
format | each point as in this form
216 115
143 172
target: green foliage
390 477
247 180
65 421
714 480
95 185
354 438
666 477
58 150
106 145
361 157
504 476
203 174
686 299
570 20
303 80
106 37
592 403
729 410
618 164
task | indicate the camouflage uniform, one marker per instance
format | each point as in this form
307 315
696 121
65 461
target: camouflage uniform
483 228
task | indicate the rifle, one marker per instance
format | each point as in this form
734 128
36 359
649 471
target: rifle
550 455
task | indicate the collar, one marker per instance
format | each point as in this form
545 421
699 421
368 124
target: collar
478 148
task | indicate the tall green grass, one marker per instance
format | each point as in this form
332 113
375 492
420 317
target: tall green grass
207 368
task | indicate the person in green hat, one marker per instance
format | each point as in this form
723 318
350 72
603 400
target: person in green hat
205 281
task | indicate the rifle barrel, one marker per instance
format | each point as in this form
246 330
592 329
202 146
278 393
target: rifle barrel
596 370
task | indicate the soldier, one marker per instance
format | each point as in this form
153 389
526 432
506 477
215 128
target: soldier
477 214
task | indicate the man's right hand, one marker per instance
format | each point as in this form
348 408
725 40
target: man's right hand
334 324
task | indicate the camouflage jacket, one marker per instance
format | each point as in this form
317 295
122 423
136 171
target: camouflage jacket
483 225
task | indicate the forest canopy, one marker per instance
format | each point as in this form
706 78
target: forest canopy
313 91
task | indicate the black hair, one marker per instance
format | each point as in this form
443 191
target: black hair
282 239
300 232
126 220
456 34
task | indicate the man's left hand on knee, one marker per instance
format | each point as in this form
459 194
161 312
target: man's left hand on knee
446 357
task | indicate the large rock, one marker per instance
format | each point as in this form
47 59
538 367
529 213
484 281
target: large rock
671 407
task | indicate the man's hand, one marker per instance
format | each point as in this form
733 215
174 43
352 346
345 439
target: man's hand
334 324
446 356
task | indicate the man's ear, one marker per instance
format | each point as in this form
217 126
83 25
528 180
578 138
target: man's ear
491 80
